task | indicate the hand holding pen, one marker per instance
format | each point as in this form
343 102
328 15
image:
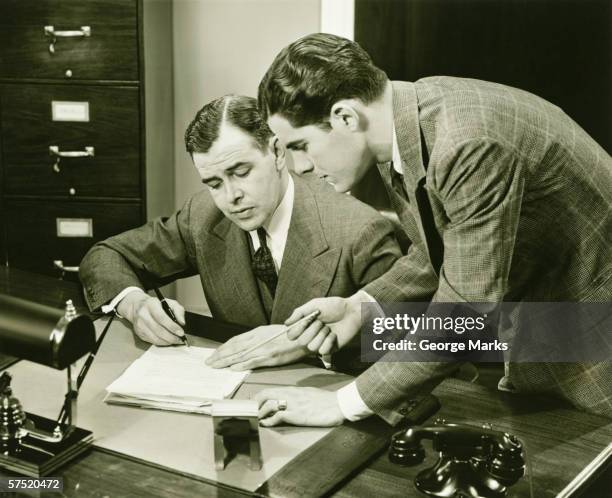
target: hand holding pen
158 320
168 310
149 320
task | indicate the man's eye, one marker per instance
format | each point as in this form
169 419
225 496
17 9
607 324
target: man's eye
214 186
242 172
303 147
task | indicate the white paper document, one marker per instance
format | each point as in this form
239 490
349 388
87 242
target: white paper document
174 378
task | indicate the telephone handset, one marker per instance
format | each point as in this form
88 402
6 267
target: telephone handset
473 462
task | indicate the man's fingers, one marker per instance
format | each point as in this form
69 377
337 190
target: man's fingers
269 407
148 330
147 334
329 345
229 353
302 311
160 316
310 333
226 361
259 361
268 394
276 419
179 311
317 342
148 321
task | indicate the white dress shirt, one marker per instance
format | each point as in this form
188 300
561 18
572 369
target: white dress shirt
277 228
351 404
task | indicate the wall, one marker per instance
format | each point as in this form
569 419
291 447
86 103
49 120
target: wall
224 46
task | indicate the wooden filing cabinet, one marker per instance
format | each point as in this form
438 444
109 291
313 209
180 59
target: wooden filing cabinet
86 125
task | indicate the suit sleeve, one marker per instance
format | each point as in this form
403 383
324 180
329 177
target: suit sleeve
411 278
480 185
164 245
374 250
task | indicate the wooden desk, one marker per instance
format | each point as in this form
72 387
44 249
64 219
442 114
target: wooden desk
560 440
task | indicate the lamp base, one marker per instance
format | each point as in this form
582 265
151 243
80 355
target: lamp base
37 458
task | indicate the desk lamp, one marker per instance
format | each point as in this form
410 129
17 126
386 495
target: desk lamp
30 444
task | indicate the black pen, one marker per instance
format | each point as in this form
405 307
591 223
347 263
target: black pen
166 307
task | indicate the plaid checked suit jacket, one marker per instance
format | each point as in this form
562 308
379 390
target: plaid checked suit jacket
335 245
522 199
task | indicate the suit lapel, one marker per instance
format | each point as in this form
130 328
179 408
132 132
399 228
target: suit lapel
308 265
227 260
407 128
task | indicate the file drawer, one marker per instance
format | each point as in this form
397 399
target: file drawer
62 140
86 133
93 39
39 233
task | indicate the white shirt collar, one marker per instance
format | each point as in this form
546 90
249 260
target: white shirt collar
278 228
396 157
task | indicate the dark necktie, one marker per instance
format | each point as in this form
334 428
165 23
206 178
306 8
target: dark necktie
263 264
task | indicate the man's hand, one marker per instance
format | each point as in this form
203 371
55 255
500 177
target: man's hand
307 406
279 351
149 319
338 322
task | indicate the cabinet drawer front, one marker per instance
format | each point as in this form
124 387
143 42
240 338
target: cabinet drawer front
39 233
33 141
108 52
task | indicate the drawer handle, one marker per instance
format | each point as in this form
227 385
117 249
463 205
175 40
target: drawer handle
54 151
59 264
85 31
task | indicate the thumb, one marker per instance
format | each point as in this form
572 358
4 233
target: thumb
302 311
179 311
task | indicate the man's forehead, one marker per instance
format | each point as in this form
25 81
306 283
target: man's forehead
232 139
287 133
231 146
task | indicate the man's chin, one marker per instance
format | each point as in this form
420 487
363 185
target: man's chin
247 226
251 223
340 187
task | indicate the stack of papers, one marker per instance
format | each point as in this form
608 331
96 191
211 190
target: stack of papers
174 379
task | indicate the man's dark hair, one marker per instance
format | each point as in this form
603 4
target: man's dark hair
314 72
236 110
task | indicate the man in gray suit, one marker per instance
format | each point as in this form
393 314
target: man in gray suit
262 240
504 197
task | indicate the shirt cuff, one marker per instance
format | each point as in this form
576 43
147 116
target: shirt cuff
376 310
326 359
351 405
110 307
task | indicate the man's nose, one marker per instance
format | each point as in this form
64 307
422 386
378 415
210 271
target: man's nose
302 164
233 192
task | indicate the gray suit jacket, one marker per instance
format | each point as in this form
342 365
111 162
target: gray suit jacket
521 199
335 246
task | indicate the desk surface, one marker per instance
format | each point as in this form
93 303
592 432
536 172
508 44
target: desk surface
560 441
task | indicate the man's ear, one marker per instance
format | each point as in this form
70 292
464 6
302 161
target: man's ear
277 148
344 115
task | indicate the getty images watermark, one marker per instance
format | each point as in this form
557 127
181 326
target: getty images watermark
487 332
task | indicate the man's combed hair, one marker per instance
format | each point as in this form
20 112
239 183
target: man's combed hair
310 75
237 110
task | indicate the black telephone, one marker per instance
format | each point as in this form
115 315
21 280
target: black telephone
473 462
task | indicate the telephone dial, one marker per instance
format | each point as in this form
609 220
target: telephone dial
474 462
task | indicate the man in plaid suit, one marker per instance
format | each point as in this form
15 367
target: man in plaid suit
504 197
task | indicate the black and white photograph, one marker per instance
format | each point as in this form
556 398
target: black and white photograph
306 248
